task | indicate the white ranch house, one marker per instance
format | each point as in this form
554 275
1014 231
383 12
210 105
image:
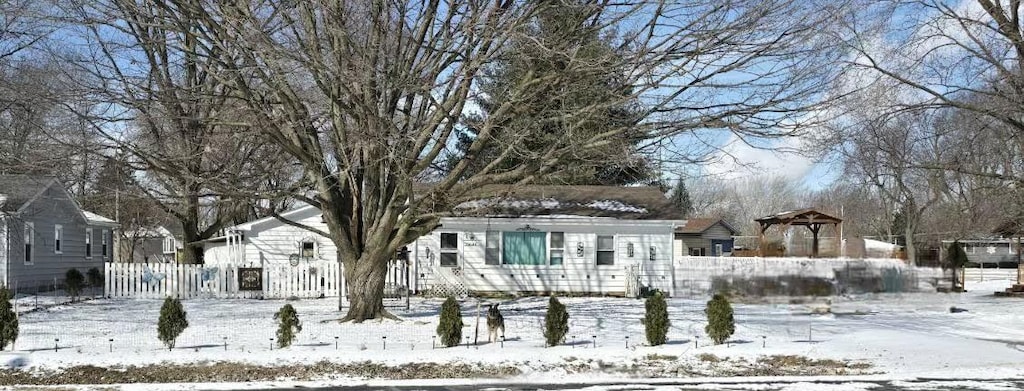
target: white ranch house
540 239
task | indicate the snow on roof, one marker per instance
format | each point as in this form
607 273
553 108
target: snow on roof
93 218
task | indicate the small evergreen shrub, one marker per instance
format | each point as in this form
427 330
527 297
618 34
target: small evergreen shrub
556 322
720 321
287 325
956 259
450 326
8 320
173 321
74 281
655 320
95 277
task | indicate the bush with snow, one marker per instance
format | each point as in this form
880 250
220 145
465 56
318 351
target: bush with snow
288 325
556 322
173 321
721 325
655 320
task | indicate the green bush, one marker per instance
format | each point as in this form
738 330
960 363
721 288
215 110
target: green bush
450 326
95 277
556 322
8 320
287 325
74 281
173 321
655 320
720 321
956 259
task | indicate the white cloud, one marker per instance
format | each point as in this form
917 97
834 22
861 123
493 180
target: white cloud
738 160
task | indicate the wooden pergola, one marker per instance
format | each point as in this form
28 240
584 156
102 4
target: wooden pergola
810 218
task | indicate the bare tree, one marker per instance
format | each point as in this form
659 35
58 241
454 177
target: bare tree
367 95
152 92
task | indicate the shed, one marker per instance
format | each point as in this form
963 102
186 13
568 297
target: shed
704 237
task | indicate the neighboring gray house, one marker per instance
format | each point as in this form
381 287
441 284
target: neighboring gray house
704 237
145 245
43 233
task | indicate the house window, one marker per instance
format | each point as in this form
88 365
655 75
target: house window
524 248
169 245
718 250
30 242
492 250
88 242
58 235
103 244
449 249
605 250
557 248
697 251
308 250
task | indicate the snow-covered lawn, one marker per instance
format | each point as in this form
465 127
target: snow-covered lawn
901 335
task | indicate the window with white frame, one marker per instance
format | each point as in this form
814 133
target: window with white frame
308 249
557 254
88 242
58 236
492 250
103 243
449 249
30 241
169 245
605 250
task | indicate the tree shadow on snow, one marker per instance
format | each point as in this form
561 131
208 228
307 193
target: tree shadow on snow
204 346
318 344
808 341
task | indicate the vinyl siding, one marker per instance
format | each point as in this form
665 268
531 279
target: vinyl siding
51 209
577 274
274 242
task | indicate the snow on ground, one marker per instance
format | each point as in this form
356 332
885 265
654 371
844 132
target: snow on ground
904 336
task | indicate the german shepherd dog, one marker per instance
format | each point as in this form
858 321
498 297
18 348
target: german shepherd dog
495 323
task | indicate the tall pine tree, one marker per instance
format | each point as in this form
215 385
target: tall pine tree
680 198
542 49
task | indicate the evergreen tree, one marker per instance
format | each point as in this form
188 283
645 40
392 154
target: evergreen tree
287 325
561 26
656 321
173 321
720 321
449 328
956 258
8 320
680 198
95 277
74 281
556 322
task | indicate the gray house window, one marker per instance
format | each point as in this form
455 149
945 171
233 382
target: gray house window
492 252
29 242
88 242
103 244
58 235
605 250
557 248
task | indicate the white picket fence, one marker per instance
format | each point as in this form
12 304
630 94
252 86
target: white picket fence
981 275
159 280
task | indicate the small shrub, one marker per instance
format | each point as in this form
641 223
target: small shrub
708 357
556 322
720 320
287 325
95 277
449 328
173 321
8 320
656 321
74 281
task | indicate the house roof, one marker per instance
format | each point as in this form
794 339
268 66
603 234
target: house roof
699 225
636 203
96 219
21 189
805 216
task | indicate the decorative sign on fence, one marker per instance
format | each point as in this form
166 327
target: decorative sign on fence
250 278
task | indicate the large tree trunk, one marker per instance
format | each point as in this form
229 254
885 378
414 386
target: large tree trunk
908 234
364 282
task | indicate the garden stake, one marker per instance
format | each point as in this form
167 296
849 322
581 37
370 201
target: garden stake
627 342
55 341
271 344
384 342
595 340
335 343
502 341
433 342
225 344
111 345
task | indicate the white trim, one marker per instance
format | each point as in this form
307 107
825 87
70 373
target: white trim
58 239
597 248
441 250
88 243
29 239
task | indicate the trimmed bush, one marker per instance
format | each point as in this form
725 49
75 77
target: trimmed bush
173 321
287 325
95 277
556 322
74 281
8 320
720 321
956 259
656 319
450 326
